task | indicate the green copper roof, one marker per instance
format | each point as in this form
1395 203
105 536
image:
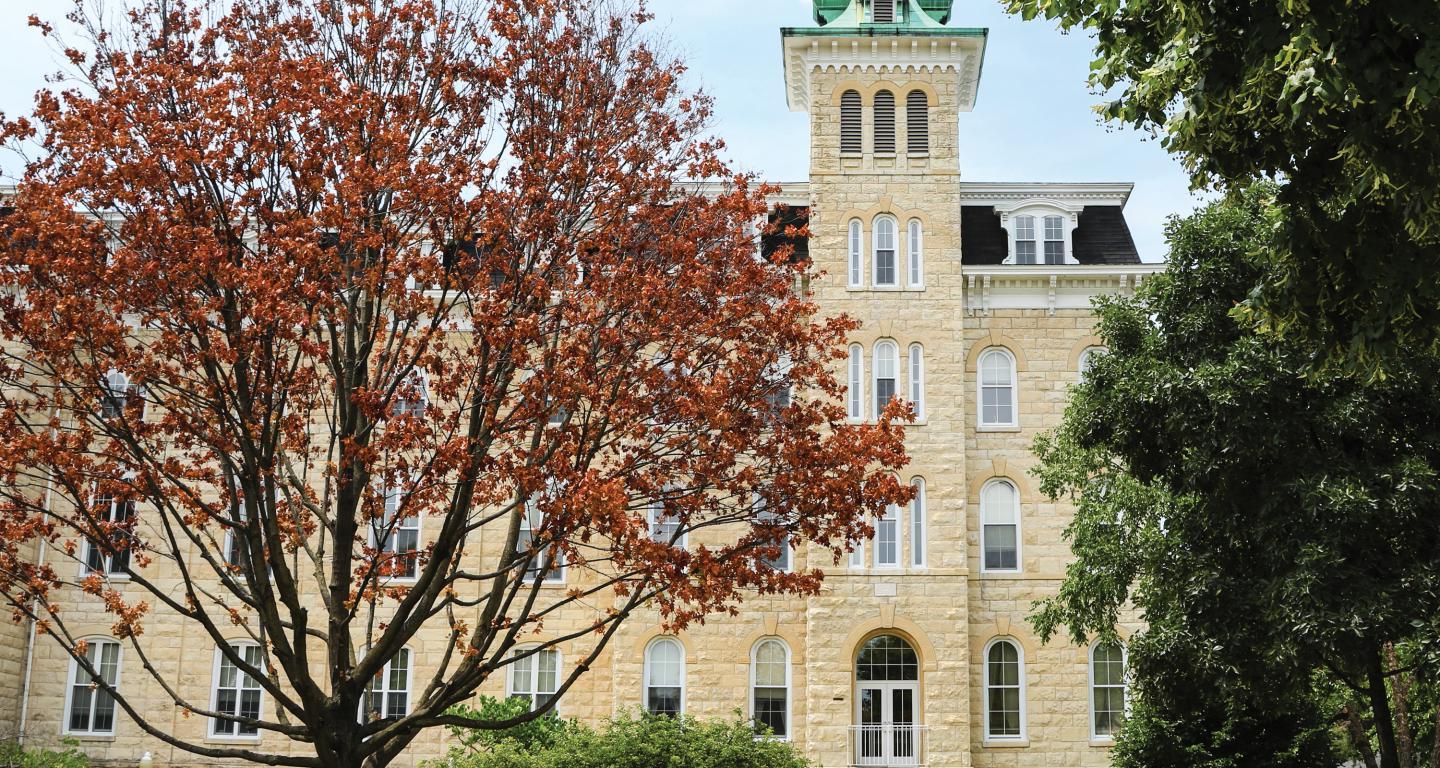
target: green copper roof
910 13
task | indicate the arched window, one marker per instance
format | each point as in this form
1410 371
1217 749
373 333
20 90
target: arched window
857 245
665 677
916 243
770 687
1107 689
887 658
1054 240
887 363
887 538
1004 691
1000 526
117 513
411 397
917 524
850 137
917 123
665 525
884 123
997 389
235 694
886 273
887 689
90 709
857 382
917 380
1088 358
120 397
389 695
535 678
1025 240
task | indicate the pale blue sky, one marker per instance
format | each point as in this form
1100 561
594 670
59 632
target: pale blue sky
1032 121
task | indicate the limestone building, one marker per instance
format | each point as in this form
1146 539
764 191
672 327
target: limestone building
974 298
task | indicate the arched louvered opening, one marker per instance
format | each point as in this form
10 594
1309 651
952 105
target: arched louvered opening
917 123
884 12
850 122
884 123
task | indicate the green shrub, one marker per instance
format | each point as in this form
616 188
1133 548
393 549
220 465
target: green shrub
639 740
526 737
12 755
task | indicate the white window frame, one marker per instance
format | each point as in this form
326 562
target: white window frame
405 407
383 546
386 690
789 550
647 663
654 512
857 556
239 688
1046 237
985 690
892 362
1025 224
531 517
533 662
894 521
855 248
1013 386
919 535
1124 686
72 682
119 389
1084 361
855 365
1036 210
889 222
789 696
984 517
107 567
915 369
915 252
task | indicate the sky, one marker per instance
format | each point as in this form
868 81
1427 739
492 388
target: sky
1033 118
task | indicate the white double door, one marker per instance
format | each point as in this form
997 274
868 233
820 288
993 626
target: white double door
886 715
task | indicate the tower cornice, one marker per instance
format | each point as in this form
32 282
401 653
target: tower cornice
881 50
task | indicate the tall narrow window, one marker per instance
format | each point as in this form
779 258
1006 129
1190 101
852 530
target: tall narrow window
535 678
916 244
887 538
917 380
1025 240
1054 240
665 677
886 273
884 123
918 542
236 694
410 398
1004 691
917 123
857 555
770 687
887 364
113 516
388 697
850 137
398 539
1107 689
997 389
779 544
548 560
1087 359
90 709
857 244
883 12
665 525
1000 531
857 383
120 397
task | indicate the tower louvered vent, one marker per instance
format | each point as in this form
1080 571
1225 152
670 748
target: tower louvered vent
885 123
884 12
850 122
917 123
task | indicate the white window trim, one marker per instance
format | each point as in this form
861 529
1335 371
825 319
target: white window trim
1019 543
894 361
857 557
106 571
1039 208
1014 422
789 687
875 253
899 521
919 535
645 663
384 674
855 376
556 570
1086 353
915 254
70 684
377 544
129 389
534 662
653 512
422 381
1124 687
855 253
915 375
789 548
985 692
215 696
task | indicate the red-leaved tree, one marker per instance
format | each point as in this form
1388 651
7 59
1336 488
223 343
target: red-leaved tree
338 322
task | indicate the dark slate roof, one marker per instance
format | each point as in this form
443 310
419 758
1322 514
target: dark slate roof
791 216
1101 237
982 239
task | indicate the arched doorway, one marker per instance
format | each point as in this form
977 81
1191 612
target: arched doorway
887 704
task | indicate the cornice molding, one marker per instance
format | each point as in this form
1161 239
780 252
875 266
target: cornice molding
1051 288
804 55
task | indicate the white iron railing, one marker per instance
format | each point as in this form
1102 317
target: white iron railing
888 746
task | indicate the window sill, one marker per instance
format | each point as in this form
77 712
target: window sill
1005 743
999 428
90 738
1102 742
1015 574
231 740
885 155
885 288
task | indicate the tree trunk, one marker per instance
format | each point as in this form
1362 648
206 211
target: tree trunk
1404 735
1380 705
1359 737
1435 747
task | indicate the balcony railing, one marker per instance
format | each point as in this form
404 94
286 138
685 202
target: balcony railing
888 746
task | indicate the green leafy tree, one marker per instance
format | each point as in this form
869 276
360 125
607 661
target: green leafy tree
1272 524
1339 100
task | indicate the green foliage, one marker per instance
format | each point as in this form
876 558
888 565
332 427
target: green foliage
638 740
1337 99
529 735
1272 523
12 755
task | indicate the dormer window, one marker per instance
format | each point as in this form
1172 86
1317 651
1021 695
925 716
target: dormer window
1040 231
1054 240
883 12
1024 239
